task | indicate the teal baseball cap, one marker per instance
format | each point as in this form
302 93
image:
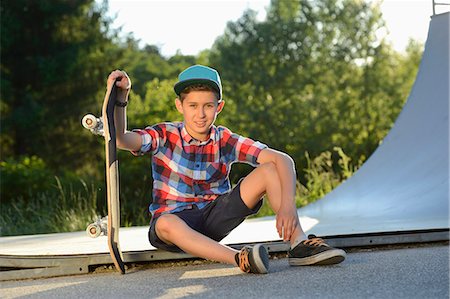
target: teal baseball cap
198 74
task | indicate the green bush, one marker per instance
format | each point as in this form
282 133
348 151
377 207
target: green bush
23 177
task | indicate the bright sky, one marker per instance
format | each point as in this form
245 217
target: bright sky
192 25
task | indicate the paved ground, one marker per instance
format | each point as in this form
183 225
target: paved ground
421 272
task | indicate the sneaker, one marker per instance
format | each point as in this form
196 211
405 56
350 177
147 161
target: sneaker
253 259
315 251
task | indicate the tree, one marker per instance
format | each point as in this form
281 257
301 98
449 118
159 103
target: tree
300 78
54 58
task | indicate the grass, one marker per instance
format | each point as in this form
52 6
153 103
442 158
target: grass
61 209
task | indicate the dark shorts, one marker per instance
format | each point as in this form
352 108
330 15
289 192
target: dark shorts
216 220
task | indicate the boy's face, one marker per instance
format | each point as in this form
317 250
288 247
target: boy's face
199 109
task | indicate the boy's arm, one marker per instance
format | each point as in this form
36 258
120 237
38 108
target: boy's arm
125 139
287 218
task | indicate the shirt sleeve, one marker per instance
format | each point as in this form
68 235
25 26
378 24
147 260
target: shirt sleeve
237 148
150 138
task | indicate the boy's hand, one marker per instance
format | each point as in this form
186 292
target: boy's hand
123 81
286 221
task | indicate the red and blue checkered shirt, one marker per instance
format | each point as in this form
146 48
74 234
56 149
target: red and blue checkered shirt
186 170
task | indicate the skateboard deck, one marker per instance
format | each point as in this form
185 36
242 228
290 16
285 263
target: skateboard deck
105 126
112 177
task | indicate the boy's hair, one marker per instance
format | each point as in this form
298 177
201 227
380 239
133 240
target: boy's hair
198 87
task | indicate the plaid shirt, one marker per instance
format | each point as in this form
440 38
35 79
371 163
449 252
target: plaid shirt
185 170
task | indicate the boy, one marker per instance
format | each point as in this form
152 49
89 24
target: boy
193 205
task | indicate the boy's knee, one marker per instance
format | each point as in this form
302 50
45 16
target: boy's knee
165 224
269 169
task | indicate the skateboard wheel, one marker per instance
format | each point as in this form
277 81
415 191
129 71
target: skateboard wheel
93 230
89 121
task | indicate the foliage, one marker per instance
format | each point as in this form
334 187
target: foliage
311 77
24 178
303 78
54 58
324 173
147 64
58 209
158 105
135 189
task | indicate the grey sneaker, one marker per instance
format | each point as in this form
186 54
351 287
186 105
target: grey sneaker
253 259
315 251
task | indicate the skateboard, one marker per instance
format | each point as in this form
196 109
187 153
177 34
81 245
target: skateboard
105 126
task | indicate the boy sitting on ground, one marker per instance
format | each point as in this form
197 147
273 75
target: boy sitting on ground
194 206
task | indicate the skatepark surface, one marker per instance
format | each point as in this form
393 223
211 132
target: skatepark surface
418 272
399 196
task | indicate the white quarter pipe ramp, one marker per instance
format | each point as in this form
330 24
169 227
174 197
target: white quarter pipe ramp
404 185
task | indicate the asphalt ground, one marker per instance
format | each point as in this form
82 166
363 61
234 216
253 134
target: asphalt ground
402 272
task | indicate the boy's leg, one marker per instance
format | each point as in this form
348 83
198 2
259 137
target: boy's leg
304 251
171 229
265 180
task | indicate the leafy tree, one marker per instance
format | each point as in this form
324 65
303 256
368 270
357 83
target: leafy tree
54 58
147 63
381 92
304 78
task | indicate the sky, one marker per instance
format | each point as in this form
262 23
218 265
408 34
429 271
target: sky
190 26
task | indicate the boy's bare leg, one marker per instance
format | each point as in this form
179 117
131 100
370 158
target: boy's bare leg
262 180
312 251
173 230
265 180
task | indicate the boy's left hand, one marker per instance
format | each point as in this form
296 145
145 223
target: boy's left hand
287 221
123 82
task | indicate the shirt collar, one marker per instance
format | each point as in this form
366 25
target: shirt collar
213 135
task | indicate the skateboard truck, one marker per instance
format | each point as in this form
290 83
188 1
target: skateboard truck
94 124
100 226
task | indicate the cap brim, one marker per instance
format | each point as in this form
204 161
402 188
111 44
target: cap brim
180 86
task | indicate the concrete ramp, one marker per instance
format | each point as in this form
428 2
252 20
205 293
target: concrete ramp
404 185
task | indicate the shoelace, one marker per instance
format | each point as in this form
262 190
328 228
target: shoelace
244 263
314 241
